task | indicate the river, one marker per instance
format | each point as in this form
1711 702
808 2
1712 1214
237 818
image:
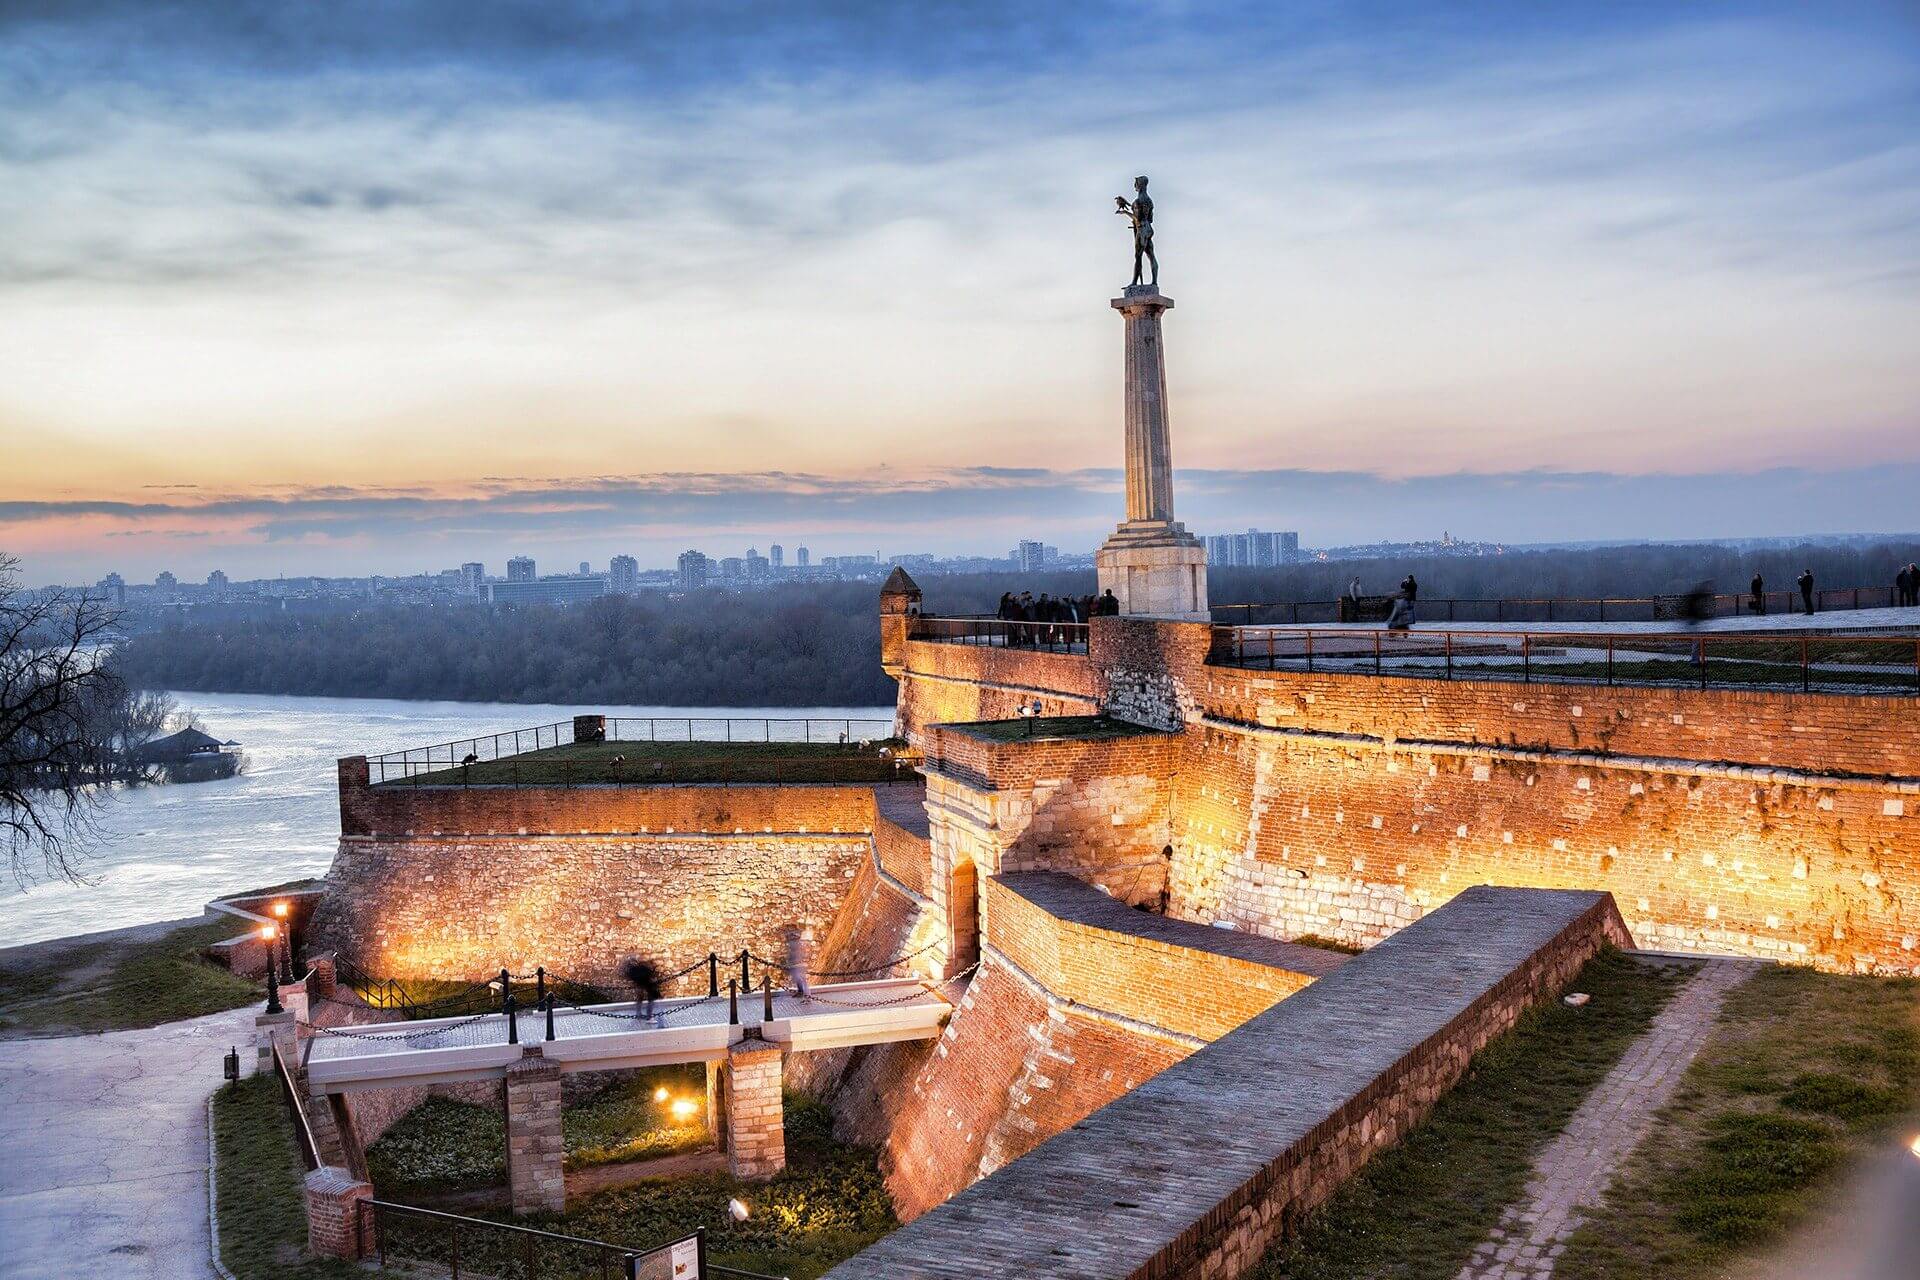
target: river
164 851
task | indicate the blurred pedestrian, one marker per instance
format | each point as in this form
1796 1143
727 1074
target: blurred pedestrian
645 980
1805 583
1697 607
1759 586
799 959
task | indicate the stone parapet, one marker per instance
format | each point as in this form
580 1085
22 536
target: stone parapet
756 1124
335 1224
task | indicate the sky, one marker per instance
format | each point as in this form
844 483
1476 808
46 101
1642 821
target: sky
302 288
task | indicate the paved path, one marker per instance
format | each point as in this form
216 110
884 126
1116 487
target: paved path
1899 620
1572 1172
105 1141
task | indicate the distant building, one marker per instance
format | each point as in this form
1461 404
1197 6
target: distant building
777 556
217 582
732 568
758 566
559 589
166 586
803 557
1254 549
695 569
520 569
114 588
1030 556
585 568
623 572
473 578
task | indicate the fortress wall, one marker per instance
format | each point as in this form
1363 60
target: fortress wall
465 906
396 810
948 683
903 850
1077 1000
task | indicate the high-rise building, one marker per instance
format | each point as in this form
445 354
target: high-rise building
1253 549
757 566
585 568
732 567
217 582
166 585
114 588
1030 556
695 569
803 557
473 578
560 589
520 569
1289 547
777 555
624 572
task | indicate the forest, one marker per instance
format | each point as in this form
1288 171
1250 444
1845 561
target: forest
817 644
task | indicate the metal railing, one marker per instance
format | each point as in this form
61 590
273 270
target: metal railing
514 757
375 993
747 729
290 1094
1048 637
1557 608
506 1251
1785 661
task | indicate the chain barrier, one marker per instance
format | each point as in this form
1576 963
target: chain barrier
636 1016
385 1033
925 989
882 967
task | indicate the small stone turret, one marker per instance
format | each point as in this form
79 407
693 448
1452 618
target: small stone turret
899 604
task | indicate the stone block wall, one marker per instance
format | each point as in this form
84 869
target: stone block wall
949 683
334 1226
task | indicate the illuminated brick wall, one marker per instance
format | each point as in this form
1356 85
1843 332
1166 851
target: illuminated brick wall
948 683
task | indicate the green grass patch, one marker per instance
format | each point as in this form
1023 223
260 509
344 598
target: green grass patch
1325 943
1041 727
828 1205
258 1177
1416 1211
115 985
444 1145
1804 1075
634 763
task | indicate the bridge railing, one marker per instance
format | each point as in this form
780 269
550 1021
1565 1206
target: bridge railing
1785 661
508 1251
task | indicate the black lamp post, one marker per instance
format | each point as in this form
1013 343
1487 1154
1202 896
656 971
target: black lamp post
271 935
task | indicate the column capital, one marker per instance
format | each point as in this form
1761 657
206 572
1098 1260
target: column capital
1141 297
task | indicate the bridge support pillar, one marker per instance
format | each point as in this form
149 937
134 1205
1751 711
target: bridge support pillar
535 1146
755 1116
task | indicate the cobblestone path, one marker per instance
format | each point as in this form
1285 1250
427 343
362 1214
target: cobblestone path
1572 1172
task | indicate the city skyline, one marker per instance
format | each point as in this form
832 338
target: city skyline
1547 275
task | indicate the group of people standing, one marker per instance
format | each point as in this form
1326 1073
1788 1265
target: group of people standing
1052 609
1907 585
1759 588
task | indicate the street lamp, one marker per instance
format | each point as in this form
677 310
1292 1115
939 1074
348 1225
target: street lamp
280 912
267 934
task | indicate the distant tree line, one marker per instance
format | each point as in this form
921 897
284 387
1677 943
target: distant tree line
818 644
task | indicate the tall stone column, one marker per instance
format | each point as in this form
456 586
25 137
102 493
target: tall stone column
536 1147
1151 563
756 1115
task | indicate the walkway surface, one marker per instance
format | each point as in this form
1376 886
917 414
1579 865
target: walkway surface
1896 620
1572 1173
105 1141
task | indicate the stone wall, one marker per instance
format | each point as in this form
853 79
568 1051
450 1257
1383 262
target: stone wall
947 683
1232 1146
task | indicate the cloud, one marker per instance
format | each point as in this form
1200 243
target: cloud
341 530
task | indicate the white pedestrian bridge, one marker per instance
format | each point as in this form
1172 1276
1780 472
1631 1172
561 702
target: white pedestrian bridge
609 1037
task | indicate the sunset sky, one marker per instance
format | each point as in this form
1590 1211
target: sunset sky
383 287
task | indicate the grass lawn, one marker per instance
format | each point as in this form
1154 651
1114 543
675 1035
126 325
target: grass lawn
117 984
644 762
828 1205
1805 1073
1416 1211
258 1175
1051 727
444 1145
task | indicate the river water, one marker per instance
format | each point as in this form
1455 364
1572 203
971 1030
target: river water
164 851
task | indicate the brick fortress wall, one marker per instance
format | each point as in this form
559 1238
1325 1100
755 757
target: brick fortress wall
459 881
1760 823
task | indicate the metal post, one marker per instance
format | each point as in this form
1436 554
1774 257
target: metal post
1701 649
546 1002
1376 653
1309 653
1806 675
746 980
1526 657
1449 648
1609 659
506 987
766 997
733 1002
713 974
540 982
273 986
513 1020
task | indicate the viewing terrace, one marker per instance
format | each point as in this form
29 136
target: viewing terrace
613 750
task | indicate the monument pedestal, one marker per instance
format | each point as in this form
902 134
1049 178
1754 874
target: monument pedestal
1152 564
1156 568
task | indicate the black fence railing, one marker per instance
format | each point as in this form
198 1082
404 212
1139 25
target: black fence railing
290 1095
1663 608
479 1247
1785 661
375 993
543 755
1049 637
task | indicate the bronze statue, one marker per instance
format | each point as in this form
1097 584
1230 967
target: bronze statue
1140 215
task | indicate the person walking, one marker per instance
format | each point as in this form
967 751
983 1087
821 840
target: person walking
1411 590
1805 583
645 980
1900 588
799 960
1759 586
1911 595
